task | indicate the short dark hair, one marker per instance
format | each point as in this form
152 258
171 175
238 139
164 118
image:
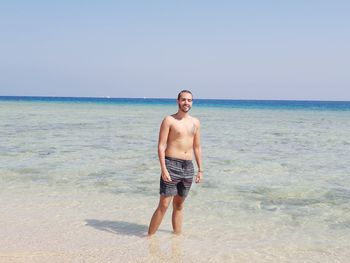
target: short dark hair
183 91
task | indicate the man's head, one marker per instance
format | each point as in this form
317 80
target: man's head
184 100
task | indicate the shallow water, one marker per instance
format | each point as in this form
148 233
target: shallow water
276 185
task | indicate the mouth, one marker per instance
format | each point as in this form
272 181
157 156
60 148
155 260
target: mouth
186 108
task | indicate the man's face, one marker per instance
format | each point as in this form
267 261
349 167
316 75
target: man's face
185 102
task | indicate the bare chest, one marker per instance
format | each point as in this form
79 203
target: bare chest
183 129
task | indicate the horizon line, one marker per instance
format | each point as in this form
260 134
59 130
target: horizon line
146 98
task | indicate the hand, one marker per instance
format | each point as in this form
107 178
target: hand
199 177
165 176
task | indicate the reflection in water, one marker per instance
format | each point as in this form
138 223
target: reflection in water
163 251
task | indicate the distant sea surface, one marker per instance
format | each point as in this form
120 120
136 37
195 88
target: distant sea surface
276 186
282 104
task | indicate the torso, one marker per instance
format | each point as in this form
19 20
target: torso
180 138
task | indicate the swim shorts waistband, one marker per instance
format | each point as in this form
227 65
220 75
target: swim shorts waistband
178 160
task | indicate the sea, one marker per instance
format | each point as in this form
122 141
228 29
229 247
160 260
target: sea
79 181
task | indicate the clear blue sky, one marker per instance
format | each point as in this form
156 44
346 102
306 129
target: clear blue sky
218 49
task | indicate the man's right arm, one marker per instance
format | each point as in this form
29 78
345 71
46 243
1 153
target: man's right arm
162 144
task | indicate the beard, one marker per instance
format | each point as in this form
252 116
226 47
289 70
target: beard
184 108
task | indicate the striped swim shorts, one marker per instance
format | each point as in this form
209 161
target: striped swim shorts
181 173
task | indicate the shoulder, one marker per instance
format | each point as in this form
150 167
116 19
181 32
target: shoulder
195 121
168 120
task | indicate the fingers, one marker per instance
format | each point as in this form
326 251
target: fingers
166 177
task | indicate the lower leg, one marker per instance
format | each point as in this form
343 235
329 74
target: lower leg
177 215
159 214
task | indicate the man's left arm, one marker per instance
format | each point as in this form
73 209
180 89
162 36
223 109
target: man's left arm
197 149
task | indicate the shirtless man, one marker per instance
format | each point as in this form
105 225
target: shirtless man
179 138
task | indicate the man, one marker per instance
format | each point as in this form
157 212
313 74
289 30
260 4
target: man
179 138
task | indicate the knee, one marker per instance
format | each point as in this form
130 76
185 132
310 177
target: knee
178 206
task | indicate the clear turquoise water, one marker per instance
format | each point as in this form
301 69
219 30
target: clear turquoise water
277 179
216 103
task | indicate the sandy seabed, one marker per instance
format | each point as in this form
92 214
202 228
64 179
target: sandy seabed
86 227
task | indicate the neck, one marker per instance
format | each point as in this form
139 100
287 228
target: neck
182 114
